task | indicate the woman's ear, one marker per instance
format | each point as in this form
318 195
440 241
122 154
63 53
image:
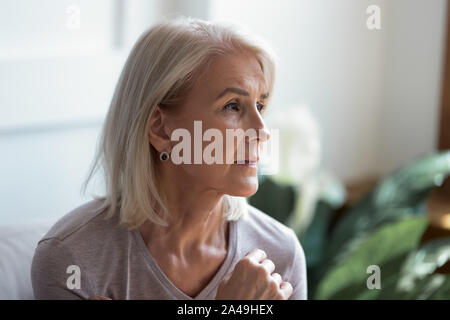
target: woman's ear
158 133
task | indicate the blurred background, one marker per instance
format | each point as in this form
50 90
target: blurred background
363 111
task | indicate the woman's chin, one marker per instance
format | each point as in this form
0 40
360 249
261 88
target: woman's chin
245 188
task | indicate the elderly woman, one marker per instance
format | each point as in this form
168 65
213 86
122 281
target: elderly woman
171 229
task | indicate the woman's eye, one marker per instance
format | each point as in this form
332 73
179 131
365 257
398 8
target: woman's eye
260 107
234 106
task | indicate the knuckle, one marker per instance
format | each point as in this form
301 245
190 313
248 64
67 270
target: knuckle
271 263
261 251
279 296
273 286
287 289
276 276
288 285
258 251
245 262
262 273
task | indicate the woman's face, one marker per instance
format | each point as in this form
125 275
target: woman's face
230 94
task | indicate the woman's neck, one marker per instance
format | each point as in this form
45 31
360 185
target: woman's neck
196 222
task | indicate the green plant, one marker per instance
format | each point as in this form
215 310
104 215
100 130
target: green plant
386 248
407 269
384 228
395 197
274 199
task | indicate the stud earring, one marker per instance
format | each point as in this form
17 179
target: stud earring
164 156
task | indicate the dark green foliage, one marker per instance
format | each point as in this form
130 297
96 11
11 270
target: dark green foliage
383 229
387 247
274 199
394 198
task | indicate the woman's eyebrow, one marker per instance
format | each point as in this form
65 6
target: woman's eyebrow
241 92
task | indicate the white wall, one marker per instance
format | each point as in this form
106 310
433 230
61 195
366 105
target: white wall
330 61
415 46
56 83
375 93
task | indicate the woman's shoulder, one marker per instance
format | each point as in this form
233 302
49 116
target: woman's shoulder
257 229
281 244
77 222
262 225
70 246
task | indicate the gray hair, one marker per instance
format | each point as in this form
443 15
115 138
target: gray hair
160 69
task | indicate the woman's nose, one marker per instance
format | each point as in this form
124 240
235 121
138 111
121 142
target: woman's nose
262 132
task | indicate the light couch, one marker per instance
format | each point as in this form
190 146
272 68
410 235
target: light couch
17 245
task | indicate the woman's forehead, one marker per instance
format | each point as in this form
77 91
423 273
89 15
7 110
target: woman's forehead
241 71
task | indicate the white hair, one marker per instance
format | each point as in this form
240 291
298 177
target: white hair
160 69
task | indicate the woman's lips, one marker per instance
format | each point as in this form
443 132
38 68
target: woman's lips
248 163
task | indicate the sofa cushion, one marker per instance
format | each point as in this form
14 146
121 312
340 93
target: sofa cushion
17 245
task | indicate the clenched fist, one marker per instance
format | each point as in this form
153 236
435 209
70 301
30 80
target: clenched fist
253 279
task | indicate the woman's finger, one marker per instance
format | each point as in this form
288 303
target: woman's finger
268 265
277 278
257 255
286 289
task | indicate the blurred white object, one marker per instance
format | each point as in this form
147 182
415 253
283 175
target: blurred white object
300 161
17 245
300 142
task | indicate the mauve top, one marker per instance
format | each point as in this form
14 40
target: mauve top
85 255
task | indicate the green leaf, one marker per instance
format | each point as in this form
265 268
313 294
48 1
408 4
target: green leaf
423 262
443 292
386 248
394 198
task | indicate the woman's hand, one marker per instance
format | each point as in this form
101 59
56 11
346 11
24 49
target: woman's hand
252 279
